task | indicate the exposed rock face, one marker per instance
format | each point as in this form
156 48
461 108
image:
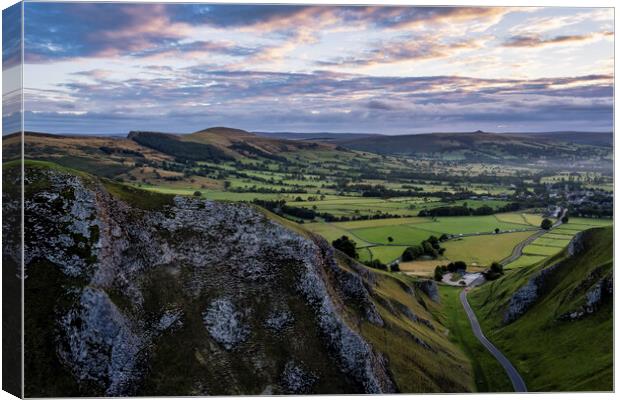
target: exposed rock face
429 287
296 380
225 323
527 295
241 284
599 289
101 345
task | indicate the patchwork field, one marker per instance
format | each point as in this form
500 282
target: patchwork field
469 225
554 241
409 231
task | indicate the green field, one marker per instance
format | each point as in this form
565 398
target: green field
468 225
332 232
386 254
551 242
554 234
374 223
520 218
483 250
524 261
401 234
541 250
591 222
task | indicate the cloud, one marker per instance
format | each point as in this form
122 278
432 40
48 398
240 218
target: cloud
200 96
11 36
538 25
410 49
538 41
73 30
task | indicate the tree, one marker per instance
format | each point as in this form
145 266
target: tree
434 242
376 264
546 224
346 245
390 239
496 230
197 193
413 252
443 237
460 265
497 267
429 250
395 267
457 266
494 272
565 219
438 273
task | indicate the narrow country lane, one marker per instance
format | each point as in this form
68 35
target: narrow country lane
518 250
517 381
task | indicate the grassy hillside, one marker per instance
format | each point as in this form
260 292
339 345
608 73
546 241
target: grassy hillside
488 373
551 344
483 146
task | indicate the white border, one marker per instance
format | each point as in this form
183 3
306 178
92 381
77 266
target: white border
533 3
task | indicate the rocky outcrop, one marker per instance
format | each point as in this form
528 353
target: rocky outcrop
100 344
527 295
429 288
135 277
225 323
598 293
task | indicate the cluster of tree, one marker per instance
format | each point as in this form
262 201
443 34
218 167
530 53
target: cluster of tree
346 245
428 248
495 271
261 189
376 264
603 208
280 207
364 217
456 266
368 172
454 211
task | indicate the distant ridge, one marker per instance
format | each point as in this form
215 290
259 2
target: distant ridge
317 136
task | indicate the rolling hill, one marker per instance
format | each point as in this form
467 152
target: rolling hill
488 147
554 320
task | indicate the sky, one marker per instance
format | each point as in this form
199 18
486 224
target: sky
112 68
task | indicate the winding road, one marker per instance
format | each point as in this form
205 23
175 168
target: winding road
517 381
518 250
